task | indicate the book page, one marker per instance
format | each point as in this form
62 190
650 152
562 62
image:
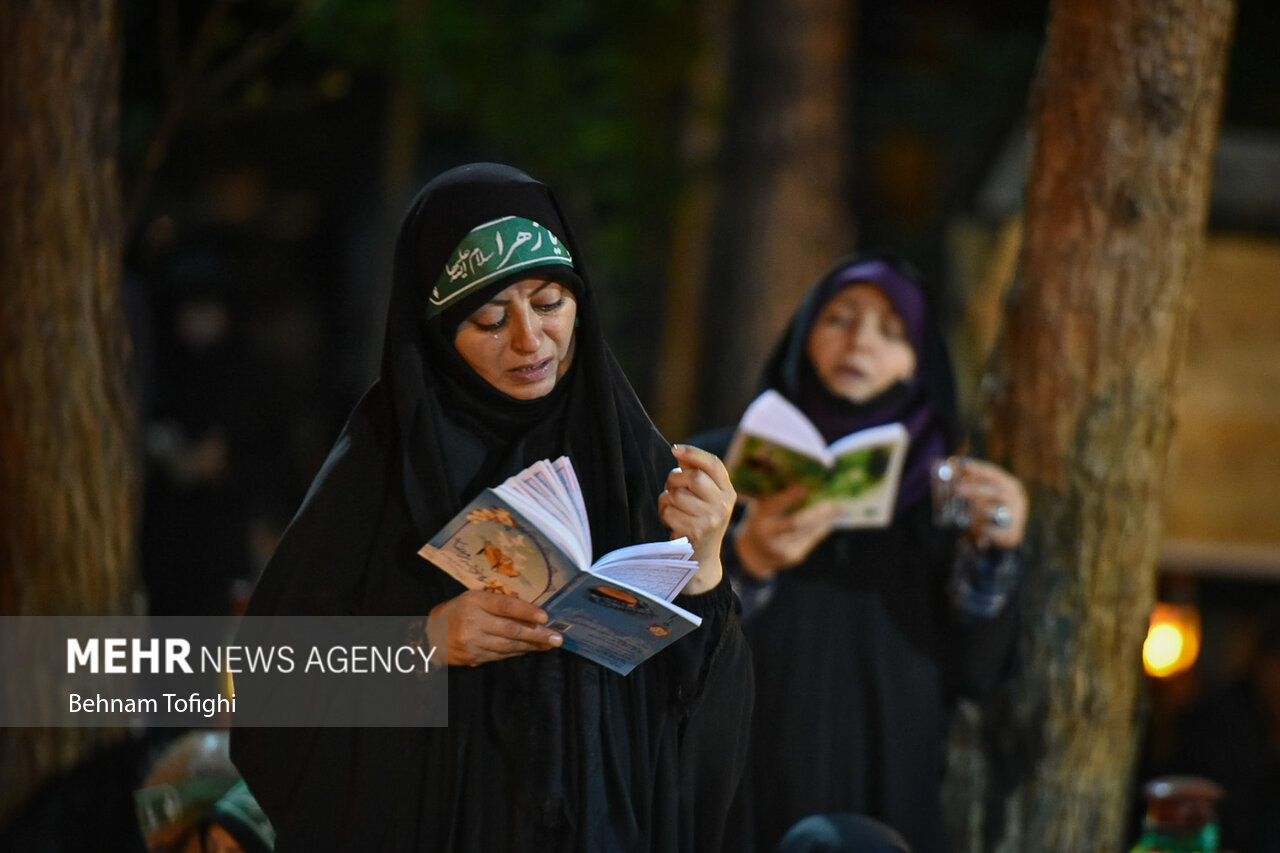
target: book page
667 549
661 578
658 568
541 484
542 517
569 478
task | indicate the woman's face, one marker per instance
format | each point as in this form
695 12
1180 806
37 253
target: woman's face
521 341
859 345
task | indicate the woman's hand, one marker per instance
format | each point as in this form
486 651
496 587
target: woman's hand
772 536
485 626
997 504
697 504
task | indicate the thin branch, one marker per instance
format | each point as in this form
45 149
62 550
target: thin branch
259 51
196 82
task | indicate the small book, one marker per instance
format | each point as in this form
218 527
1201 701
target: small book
529 537
776 446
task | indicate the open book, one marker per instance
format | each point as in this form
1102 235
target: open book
529 537
776 446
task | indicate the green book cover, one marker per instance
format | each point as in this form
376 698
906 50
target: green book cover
777 446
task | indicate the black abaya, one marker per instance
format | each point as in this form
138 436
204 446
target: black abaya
858 658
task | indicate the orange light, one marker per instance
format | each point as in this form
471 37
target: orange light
1173 639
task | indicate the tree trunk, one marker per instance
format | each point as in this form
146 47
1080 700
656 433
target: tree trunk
701 142
367 297
68 481
781 216
1125 120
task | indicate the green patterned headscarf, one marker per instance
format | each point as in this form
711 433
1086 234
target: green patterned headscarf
491 251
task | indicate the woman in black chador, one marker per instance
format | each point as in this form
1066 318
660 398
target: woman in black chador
861 638
492 361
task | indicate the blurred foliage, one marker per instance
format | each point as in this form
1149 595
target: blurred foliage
584 95
590 97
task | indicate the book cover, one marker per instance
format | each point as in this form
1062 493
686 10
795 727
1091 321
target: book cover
490 545
776 446
616 612
616 625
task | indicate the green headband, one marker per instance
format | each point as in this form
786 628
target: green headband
492 250
180 803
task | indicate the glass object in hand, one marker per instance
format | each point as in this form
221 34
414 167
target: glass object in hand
950 509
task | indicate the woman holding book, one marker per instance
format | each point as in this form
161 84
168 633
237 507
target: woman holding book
862 637
494 359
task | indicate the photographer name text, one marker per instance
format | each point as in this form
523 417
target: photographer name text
205 706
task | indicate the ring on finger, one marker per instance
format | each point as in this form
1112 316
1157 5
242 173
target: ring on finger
1001 516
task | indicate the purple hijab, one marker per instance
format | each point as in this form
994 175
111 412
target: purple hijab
925 404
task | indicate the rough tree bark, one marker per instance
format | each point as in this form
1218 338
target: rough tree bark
701 141
68 493
781 216
1125 120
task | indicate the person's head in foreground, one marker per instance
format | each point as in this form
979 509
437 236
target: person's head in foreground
842 833
237 824
184 783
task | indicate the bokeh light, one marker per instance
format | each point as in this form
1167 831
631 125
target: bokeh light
1173 639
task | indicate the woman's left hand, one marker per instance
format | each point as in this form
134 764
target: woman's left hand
998 504
697 504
